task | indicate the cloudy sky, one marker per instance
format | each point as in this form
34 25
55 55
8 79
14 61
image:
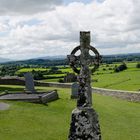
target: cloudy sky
35 28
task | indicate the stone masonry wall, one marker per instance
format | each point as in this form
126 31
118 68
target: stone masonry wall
21 81
127 95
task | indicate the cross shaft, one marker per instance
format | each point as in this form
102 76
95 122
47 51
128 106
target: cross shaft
84 122
85 93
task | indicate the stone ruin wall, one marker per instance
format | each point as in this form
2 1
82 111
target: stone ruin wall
12 81
127 95
21 81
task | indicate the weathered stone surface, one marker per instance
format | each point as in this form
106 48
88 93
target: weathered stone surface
126 95
74 90
51 96
29 83
35 97
70 77
85 125
84 122
40 97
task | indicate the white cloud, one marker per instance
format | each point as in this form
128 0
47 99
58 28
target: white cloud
114 26
26 6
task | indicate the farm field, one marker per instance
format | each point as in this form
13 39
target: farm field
30 69
126 80
105 77
119 119
43 69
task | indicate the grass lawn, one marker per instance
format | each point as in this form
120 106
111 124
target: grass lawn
119 119
10 88
107 78
30 69
125 80
50 80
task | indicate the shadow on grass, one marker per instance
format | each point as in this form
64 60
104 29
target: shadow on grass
11 88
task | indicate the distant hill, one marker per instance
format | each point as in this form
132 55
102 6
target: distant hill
121 57
46 60
40 62
62 60
53 57
3 60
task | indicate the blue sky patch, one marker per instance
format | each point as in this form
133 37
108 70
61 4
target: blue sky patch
83 1
4 34
32 22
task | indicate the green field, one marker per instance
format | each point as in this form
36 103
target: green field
125 80
106 77
31 69
22 70
119 119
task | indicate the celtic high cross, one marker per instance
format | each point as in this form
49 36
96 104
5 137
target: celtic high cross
84 122
84 60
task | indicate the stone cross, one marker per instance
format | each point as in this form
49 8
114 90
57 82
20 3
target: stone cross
84 125
29 82
84 60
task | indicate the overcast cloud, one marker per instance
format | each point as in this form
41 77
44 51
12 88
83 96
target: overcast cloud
31 28
20 7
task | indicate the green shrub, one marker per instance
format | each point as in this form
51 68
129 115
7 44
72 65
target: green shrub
109 68
37 75
138 65
121 67
61 81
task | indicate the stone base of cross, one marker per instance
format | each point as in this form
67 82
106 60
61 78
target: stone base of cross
84 121
84 125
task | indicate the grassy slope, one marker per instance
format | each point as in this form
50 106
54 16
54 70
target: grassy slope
126 80
26 121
